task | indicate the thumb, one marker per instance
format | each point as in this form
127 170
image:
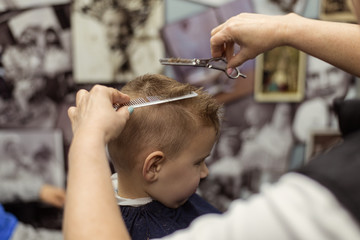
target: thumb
126 111
124 114
238 59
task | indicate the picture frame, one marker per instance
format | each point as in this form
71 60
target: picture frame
7 5
337 10
36 43
210 3
280 7
280 75
32 154
114 43
321 141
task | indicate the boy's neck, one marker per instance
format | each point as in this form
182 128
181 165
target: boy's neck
130 186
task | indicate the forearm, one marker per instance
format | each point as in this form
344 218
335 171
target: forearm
90 199
334 42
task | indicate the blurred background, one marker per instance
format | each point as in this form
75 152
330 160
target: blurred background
275 120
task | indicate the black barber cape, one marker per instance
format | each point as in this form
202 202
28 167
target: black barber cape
339 169
154 220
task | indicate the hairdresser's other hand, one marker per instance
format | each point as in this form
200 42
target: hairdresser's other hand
94 113
255 33
52 195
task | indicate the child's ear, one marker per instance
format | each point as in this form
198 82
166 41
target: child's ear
152 165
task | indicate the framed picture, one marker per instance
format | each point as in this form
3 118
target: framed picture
211 3
280 75
116 41
32 155
6 5
324 84
321 141
337 10
280 7
36 65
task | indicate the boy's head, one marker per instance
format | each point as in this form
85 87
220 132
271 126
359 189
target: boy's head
158 137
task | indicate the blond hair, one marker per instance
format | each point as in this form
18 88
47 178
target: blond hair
165 127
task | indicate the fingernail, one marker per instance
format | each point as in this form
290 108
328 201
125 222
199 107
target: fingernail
130 109
229 71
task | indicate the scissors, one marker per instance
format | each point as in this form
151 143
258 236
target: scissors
211 63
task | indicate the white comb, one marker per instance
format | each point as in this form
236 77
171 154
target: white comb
152 100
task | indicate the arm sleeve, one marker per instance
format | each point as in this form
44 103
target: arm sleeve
8 223
297 207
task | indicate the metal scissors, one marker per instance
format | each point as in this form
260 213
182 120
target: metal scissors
211 63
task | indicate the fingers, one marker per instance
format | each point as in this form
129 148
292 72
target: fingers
225 36
95 108
222 46
72 117
222 43
217 41
52 195
71 112
217 51
237 60
229 51
58 198
80 95
216 29
114 95
124 115
119 96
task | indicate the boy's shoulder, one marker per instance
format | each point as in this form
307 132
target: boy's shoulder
200 204
155 220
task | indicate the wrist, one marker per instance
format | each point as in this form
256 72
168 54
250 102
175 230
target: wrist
289 28
90 134
85 139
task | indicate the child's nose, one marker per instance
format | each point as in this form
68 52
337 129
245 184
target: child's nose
204 171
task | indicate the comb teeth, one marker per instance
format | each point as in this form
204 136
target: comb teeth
152 100
136 101
132 102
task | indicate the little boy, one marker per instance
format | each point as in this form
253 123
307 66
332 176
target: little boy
159 157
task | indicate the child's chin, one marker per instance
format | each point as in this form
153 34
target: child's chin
178 204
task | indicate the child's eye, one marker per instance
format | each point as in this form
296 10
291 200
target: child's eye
199 162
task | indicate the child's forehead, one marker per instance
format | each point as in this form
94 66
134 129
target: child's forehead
204 135
200 144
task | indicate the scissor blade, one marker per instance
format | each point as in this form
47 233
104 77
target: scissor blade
178 61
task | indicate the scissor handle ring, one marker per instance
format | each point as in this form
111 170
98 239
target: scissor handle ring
232 75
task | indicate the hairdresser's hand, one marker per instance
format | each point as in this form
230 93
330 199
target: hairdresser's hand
94 113
255 33
52 195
